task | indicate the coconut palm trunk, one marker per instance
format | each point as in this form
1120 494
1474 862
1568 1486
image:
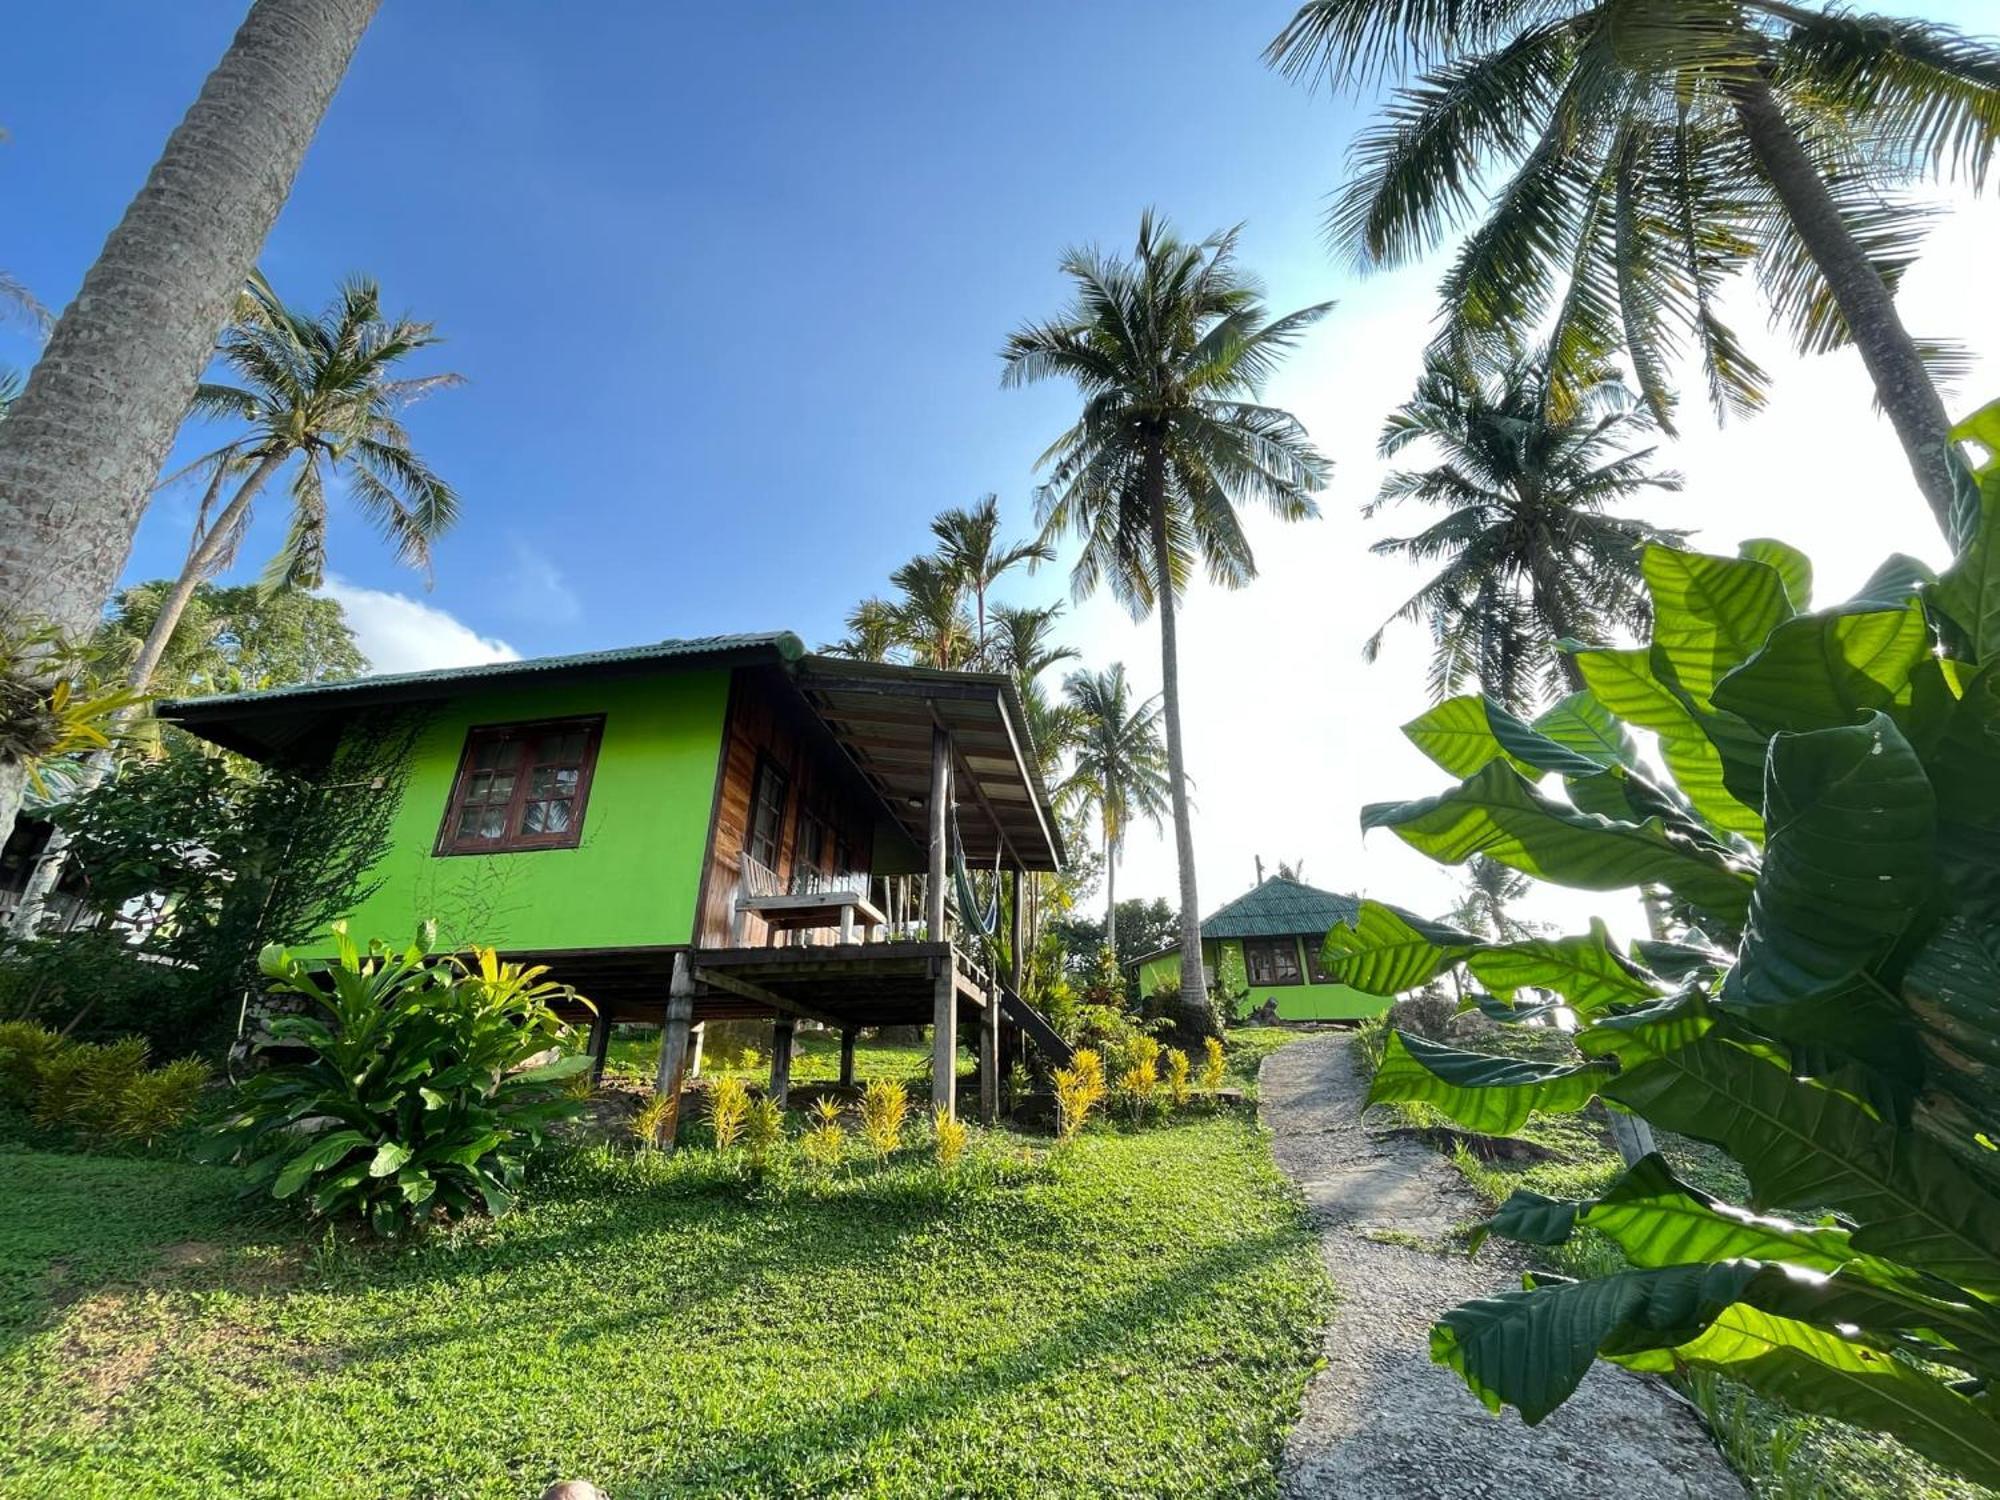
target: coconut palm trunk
1902 384
202 557
1110 891
81 448
1194 984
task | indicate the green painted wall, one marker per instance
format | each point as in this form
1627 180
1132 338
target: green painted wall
634 877
1296 1002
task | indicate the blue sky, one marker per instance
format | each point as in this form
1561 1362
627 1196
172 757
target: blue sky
729 284
728 281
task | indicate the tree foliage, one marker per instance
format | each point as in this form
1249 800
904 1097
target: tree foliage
240 639
1526 551
1828 1017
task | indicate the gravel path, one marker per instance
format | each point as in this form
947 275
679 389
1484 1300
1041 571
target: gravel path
1382 1422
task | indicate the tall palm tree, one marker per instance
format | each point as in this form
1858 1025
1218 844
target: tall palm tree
1486 899
1529 555
82 447
1653 148
969 544
320 394
1120 768
930 612
1169 351
873 631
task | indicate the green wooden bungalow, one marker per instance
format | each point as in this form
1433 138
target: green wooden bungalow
695 830
1275 931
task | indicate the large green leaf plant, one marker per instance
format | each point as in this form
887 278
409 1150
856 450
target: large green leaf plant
419 1092
1826 830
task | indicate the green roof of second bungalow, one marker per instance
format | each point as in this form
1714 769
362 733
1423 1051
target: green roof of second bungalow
1279 907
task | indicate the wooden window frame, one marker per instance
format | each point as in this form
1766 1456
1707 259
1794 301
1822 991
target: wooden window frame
1315 961
592 728
768 762
1279 945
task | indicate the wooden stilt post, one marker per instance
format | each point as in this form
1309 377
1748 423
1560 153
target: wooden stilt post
781 1060
696 1038
847 1057
674 1044
989 1055
944 993
600 1045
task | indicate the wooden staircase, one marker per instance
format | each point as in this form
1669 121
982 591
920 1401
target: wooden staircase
1035 1026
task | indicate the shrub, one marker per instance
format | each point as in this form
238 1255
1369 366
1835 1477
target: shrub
1103 981
763 1128
655 1117
824 1144
1211 1063
949 1135
103 1091
414 1098
1079 1090
157 1102
885 1104
1141 1074
1178 1088
1825 840
728 1110
23 1046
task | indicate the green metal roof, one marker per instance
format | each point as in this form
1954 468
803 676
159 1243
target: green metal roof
783 643
300 723
1281 908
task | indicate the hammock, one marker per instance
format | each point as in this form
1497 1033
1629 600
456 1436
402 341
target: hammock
985 922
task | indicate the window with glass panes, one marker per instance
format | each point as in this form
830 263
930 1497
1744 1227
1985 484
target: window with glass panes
767 813
1271 960
522 786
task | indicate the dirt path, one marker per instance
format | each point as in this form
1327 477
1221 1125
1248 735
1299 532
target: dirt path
1382 1422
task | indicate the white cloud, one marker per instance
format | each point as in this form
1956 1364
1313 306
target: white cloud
536 588
1289 733
400 634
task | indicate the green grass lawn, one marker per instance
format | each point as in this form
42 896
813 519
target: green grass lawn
1137 1316
815 1059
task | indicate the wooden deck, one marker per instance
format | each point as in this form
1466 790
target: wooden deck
840 985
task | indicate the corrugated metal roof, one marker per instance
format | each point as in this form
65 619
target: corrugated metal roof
781 642
1281 908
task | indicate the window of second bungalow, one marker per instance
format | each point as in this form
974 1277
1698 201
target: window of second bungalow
767 812
521 787
1271 960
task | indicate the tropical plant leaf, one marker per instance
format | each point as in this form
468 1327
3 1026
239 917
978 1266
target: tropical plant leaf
1805 1144
1497 814
1824 669
1387 951
1582 724
1812 1369
1968 592
1528 1349
1492 1095
1458 737
1624 682
1657 1220
1586 971
1848 867
1710 614
1792 566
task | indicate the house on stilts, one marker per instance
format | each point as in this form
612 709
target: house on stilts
721 828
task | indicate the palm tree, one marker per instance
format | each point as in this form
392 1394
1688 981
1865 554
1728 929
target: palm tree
1169 351
874 632
82 447
1485 901
930 617
969 544
1120 767
1529 555
1655 149
319 390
